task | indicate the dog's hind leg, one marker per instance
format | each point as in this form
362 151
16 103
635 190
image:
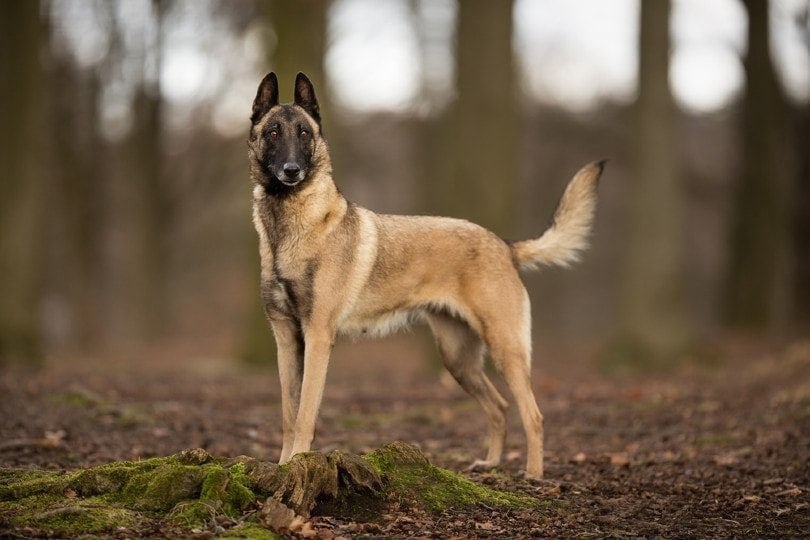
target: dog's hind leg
515 372
463 354
290 371
511 353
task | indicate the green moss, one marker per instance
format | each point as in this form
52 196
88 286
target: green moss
395 455
80 398
229 488
19 484
15 512
162 488
190 514
720 439
81 517
446 490
108 478
239 472
353 421
189 487
54 513
173 482
94 405
407 473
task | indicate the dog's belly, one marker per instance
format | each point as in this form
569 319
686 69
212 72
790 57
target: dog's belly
372 318
377 324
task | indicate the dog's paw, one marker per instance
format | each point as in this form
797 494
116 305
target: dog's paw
535 475
482 465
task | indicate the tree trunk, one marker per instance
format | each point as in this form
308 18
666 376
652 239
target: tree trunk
801 220
78 198
655 326
801 200
300 42
476 175
21 182
300 39
757 284
153 212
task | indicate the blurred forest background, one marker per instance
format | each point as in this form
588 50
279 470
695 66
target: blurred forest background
125 198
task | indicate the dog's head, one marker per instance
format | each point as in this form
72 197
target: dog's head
285 142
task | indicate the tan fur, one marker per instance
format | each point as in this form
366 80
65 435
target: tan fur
330 268
562 243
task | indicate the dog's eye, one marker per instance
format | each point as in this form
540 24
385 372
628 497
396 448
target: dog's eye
273 134
303 133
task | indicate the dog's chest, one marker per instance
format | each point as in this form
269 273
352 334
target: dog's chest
287 284
277 299
292 298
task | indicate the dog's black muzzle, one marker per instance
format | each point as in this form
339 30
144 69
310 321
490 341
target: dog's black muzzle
291 174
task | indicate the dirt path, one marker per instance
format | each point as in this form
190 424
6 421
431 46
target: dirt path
704 451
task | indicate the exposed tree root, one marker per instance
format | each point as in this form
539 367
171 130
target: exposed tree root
194 489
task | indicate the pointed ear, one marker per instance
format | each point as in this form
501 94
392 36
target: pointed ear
305 97
266 97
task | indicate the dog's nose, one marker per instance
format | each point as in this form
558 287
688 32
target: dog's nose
291 169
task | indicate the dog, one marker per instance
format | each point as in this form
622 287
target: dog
330 267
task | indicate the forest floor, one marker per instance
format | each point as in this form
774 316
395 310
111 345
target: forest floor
711 449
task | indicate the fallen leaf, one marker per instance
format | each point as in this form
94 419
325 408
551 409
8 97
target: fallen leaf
579 457
277 516
726 460
635 393
326 534
668 455
709 406
305 530
486 526
619 459
53 439
789 492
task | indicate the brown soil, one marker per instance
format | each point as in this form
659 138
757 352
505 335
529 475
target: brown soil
720 450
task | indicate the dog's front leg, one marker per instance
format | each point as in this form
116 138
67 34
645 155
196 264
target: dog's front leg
318 347
290 342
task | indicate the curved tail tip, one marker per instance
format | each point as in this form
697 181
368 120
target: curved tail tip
601 164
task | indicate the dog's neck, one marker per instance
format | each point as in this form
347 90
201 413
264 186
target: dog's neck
315 208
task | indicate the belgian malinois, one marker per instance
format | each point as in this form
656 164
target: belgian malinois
330 267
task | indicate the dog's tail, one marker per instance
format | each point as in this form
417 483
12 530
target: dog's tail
567 236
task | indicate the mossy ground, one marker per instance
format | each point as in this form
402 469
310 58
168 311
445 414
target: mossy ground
193 490
189 489
408 474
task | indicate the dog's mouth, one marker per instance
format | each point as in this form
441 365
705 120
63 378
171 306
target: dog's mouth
289 182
